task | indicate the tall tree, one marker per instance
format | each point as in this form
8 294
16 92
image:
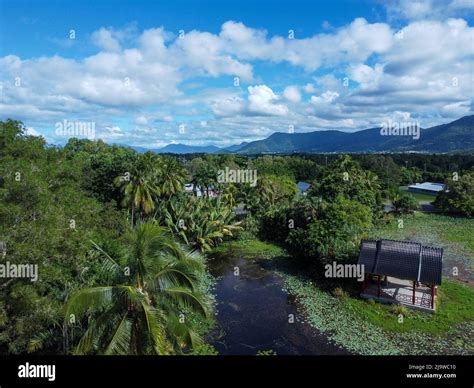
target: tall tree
458 197
140 186
146 307
172 177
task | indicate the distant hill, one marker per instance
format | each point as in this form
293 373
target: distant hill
235 148
455 136
186 149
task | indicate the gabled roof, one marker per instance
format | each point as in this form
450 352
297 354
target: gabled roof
303 186
402 259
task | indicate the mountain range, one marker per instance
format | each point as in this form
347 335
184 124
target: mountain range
456 136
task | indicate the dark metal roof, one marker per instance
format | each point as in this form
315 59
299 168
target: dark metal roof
402 259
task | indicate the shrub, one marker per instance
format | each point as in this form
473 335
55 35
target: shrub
406 204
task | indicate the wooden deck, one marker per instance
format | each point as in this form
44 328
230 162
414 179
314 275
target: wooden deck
401 292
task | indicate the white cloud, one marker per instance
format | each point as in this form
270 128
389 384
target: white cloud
292 94
105 40
309 88
30 131
229 106
355 42
262 100
141 120
151 81
427 9
326 98
205 51
462 4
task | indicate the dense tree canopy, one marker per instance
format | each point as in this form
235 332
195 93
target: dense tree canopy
86 212
458 196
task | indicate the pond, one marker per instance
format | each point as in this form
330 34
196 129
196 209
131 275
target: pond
255 314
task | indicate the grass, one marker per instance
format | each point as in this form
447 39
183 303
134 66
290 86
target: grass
370 328
250 249
455 235
420 197
455 306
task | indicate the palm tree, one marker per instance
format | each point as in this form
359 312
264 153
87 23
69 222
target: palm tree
172 177
140 310
229 195
141 188
204 178
394 195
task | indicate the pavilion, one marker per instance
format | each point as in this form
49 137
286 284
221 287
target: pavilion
401 272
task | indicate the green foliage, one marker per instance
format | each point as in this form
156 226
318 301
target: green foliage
46 218
370 328
405 204
345 177
454 234
250 249
269 352
334 235
204 175
204 350
278 221
200 222
296 168
410 175
140 186
143 309
458 198
101 164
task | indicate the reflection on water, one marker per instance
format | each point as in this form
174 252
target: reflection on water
254 313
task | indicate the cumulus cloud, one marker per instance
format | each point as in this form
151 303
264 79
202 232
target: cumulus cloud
263 101
355 42
229 106
292 94
309 88
427 9
325 98
105 40
347 77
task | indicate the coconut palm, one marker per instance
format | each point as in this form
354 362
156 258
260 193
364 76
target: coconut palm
205 178
140 187
144 307
172 177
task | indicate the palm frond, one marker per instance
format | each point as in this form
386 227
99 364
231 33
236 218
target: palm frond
187 299
120 341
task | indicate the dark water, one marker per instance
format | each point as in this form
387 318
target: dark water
253 313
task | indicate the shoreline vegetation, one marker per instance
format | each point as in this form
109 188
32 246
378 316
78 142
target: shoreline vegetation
366 327
121 241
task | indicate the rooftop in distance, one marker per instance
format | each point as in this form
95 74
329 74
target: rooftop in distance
427 187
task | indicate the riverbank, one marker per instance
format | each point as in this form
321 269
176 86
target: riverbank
255 316
365 327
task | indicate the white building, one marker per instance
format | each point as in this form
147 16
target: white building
427 188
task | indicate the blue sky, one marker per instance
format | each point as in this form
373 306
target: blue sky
222 72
